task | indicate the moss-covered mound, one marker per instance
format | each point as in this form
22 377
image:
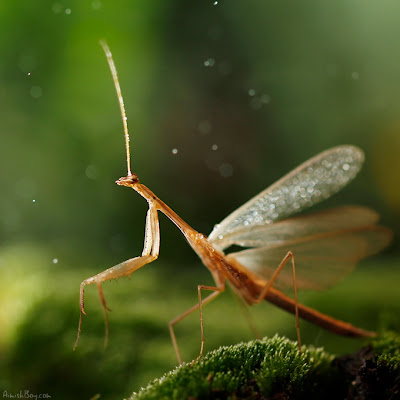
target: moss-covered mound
275 369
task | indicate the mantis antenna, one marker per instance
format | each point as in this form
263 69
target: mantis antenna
113 69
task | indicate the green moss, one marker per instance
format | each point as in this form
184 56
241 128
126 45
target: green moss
256 369
387 348
275 369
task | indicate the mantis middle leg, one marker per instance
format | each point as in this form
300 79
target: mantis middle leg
217 290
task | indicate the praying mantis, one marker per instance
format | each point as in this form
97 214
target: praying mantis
321 248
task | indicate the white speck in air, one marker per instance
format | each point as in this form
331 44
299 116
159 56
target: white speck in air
355 75
215 3
214 147
33 201
209 63
257 101
174 151
55 260
68 11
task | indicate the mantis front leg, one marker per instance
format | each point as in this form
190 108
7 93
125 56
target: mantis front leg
150 253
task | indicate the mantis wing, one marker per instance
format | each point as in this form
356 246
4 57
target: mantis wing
341 218
322 259
311 182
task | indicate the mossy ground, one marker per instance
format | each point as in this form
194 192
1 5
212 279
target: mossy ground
275 369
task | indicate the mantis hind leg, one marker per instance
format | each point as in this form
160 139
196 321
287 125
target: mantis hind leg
288 256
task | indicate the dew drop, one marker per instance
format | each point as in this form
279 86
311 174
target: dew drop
209 63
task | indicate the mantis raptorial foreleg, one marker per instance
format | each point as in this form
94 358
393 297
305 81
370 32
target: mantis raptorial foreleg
271 281
150 252
217 291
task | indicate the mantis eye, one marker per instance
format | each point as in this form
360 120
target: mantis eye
128 180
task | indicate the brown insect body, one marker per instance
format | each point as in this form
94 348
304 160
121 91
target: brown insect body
247 284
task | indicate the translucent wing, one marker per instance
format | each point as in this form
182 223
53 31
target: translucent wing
322 260
311 182
341 218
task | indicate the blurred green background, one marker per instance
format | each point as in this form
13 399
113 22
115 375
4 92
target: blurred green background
244 91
